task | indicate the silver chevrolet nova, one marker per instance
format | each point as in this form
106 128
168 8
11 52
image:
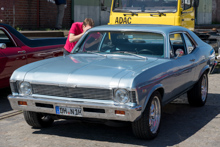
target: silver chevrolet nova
116 73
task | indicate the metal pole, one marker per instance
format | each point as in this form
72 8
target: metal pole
38 13
99 12
13 25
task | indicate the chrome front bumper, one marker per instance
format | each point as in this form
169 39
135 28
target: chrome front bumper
213 66
131 112
218 58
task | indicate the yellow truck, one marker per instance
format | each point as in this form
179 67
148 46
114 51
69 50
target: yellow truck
166 12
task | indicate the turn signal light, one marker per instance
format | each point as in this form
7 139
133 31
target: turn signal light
119 112
22 103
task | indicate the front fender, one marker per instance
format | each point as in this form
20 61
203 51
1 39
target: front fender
154 88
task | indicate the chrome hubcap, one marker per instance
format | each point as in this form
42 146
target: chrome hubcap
155 114
204 88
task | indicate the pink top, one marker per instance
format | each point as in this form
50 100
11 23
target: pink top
75 29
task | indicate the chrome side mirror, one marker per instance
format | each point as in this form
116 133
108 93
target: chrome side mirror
2 45
179 53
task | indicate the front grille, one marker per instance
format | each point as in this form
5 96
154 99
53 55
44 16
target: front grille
69 92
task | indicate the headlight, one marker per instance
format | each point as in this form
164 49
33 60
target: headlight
121 96
25 88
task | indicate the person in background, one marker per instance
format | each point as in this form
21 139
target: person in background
60 13
76 32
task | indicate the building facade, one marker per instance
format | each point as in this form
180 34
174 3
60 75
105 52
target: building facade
41 14
32 14
215 11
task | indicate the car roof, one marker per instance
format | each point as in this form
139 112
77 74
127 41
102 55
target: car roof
140 27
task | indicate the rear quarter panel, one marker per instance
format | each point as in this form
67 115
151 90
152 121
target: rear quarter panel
203 56
203 60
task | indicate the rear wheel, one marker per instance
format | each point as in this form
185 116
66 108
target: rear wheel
147 127
197 96
38 120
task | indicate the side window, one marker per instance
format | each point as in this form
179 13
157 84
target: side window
5 39
189 45
176 42
186 4
117 4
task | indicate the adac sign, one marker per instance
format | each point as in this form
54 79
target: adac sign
123 20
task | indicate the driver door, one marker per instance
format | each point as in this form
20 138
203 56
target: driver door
188 15
11 57
184 66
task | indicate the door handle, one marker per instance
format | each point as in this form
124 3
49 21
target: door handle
22 52
192 60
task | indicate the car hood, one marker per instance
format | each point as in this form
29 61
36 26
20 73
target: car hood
83 70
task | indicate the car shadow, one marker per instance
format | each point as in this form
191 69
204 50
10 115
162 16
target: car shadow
179 122
4 102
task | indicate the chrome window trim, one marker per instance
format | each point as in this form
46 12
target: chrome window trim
10 37
166 54
101 42
175 32
188 35
191 39
184 36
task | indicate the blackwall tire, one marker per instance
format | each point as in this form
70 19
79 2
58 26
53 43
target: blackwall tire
197 96
37 120
147 127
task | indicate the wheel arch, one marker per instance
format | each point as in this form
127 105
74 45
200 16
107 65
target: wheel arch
205 69
159 88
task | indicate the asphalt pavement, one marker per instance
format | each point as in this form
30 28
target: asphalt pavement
182 126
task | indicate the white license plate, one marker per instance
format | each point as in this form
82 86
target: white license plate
68 111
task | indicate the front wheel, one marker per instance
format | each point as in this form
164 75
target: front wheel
197 96
38 120
147 127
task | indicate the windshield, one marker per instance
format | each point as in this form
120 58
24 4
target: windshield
136 43
145 6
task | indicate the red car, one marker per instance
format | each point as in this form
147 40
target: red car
16 50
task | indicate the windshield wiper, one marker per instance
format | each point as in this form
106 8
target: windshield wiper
90 52
76 50
132 13
124 52
159 13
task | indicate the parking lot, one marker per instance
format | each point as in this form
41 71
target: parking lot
182 125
